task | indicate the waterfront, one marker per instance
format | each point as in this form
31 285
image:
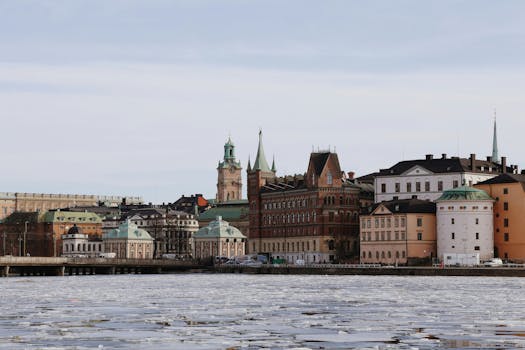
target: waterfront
221 311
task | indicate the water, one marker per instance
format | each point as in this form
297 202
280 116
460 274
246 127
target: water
233 311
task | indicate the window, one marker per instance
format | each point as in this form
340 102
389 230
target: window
506 237
427 186
419 222
409 187
476 247
505 206
329 179
418 186
477 235
440 185
455 183
477 221
452 221
419 236
398 186
505 191
506 222
402 222
453 235
383 188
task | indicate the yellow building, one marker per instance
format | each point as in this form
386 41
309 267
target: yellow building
399 232
509 222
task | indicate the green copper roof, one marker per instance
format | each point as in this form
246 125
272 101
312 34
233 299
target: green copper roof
128 230
260 161
229 213
72 216
464 193
219 229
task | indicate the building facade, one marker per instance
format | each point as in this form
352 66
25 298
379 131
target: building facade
77 244
11 202
229 179
398 232
464 225
508 190
171 230
311 217
428 178
218 238
129 241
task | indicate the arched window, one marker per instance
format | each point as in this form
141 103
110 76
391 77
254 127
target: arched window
329 179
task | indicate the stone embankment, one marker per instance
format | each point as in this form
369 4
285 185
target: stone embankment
505 271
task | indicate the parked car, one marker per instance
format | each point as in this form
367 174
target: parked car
300 262
251 263
493 262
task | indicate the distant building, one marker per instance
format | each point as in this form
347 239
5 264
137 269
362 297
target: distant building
40 234
508 190
129 241
428 178
229 179
193 204
311 217
465 224
218 238
11 202
399 232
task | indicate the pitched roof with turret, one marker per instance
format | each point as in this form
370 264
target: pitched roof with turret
260 161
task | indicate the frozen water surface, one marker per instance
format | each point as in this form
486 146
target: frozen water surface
214 311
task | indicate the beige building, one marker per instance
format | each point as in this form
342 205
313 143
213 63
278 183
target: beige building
399 232
129 242
42 202
229 178
509 236
219 239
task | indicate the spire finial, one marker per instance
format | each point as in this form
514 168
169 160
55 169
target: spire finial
260 160
274 170
495 155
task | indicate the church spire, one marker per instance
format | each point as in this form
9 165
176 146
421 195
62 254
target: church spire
249 164
495 156
273 165
260 161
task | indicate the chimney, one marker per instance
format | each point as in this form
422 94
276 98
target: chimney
443 156
429 157
489 159
503 165
473 162
351 175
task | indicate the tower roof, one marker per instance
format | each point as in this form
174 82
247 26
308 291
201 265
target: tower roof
464 193
260 161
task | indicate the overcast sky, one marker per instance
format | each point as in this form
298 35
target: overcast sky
139 97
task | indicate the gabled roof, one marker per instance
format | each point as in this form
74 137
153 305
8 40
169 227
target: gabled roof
128 230
504 179
219 229
405 206
318 161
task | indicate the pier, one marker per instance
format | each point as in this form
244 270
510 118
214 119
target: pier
49 266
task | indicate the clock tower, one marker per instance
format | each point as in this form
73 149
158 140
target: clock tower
229 183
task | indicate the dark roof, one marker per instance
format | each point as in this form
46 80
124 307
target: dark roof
74 230
368 178
405 206
504 179
319 161
19 217
285 183
444 165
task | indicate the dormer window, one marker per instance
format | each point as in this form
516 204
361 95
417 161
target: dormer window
329 179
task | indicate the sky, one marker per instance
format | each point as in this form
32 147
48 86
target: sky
137 98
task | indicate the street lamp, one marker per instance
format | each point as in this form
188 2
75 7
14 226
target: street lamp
25 237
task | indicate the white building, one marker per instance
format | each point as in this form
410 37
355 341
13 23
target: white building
77 244
464 217
428 178
129 242
219 239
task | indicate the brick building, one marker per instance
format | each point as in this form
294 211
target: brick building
312 217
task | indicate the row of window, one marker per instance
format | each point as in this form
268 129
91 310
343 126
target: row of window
384 255
82 247
464 207
398 222
453 221
289 218
293 246
397 186
383 236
